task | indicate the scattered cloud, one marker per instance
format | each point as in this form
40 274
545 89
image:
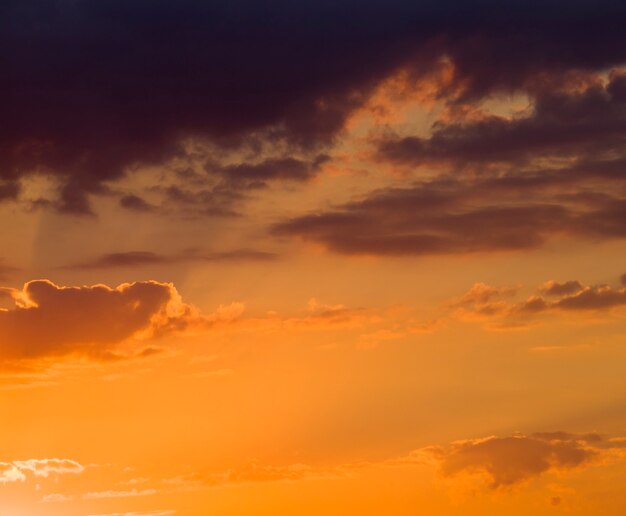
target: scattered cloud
501 462
586 123
496 183
95 495
501 310
20 470
507 461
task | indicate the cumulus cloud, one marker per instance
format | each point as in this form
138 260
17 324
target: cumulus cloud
51 320
506 461
105 323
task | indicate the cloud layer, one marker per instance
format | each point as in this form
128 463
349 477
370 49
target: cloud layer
94 88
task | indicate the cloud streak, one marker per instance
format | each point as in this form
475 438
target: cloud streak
20 470
132 259
450 216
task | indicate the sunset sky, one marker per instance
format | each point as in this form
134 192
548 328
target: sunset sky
312 257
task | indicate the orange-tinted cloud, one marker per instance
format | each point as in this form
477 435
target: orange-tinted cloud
458 216
554 288
502 183
101 322
50 320
483 302
506 461
502 461
587 122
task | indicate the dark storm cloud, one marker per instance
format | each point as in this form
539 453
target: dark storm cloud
92 87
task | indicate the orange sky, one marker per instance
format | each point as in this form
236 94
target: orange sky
401 291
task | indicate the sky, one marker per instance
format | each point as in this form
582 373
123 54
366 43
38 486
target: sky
315 257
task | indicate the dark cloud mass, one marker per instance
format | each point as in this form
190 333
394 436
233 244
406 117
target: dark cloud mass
457 217
590 123
93 87
509 183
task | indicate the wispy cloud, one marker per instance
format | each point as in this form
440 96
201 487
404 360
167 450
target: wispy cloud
20 470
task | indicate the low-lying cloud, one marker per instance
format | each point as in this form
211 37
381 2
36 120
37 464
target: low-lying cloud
506 461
